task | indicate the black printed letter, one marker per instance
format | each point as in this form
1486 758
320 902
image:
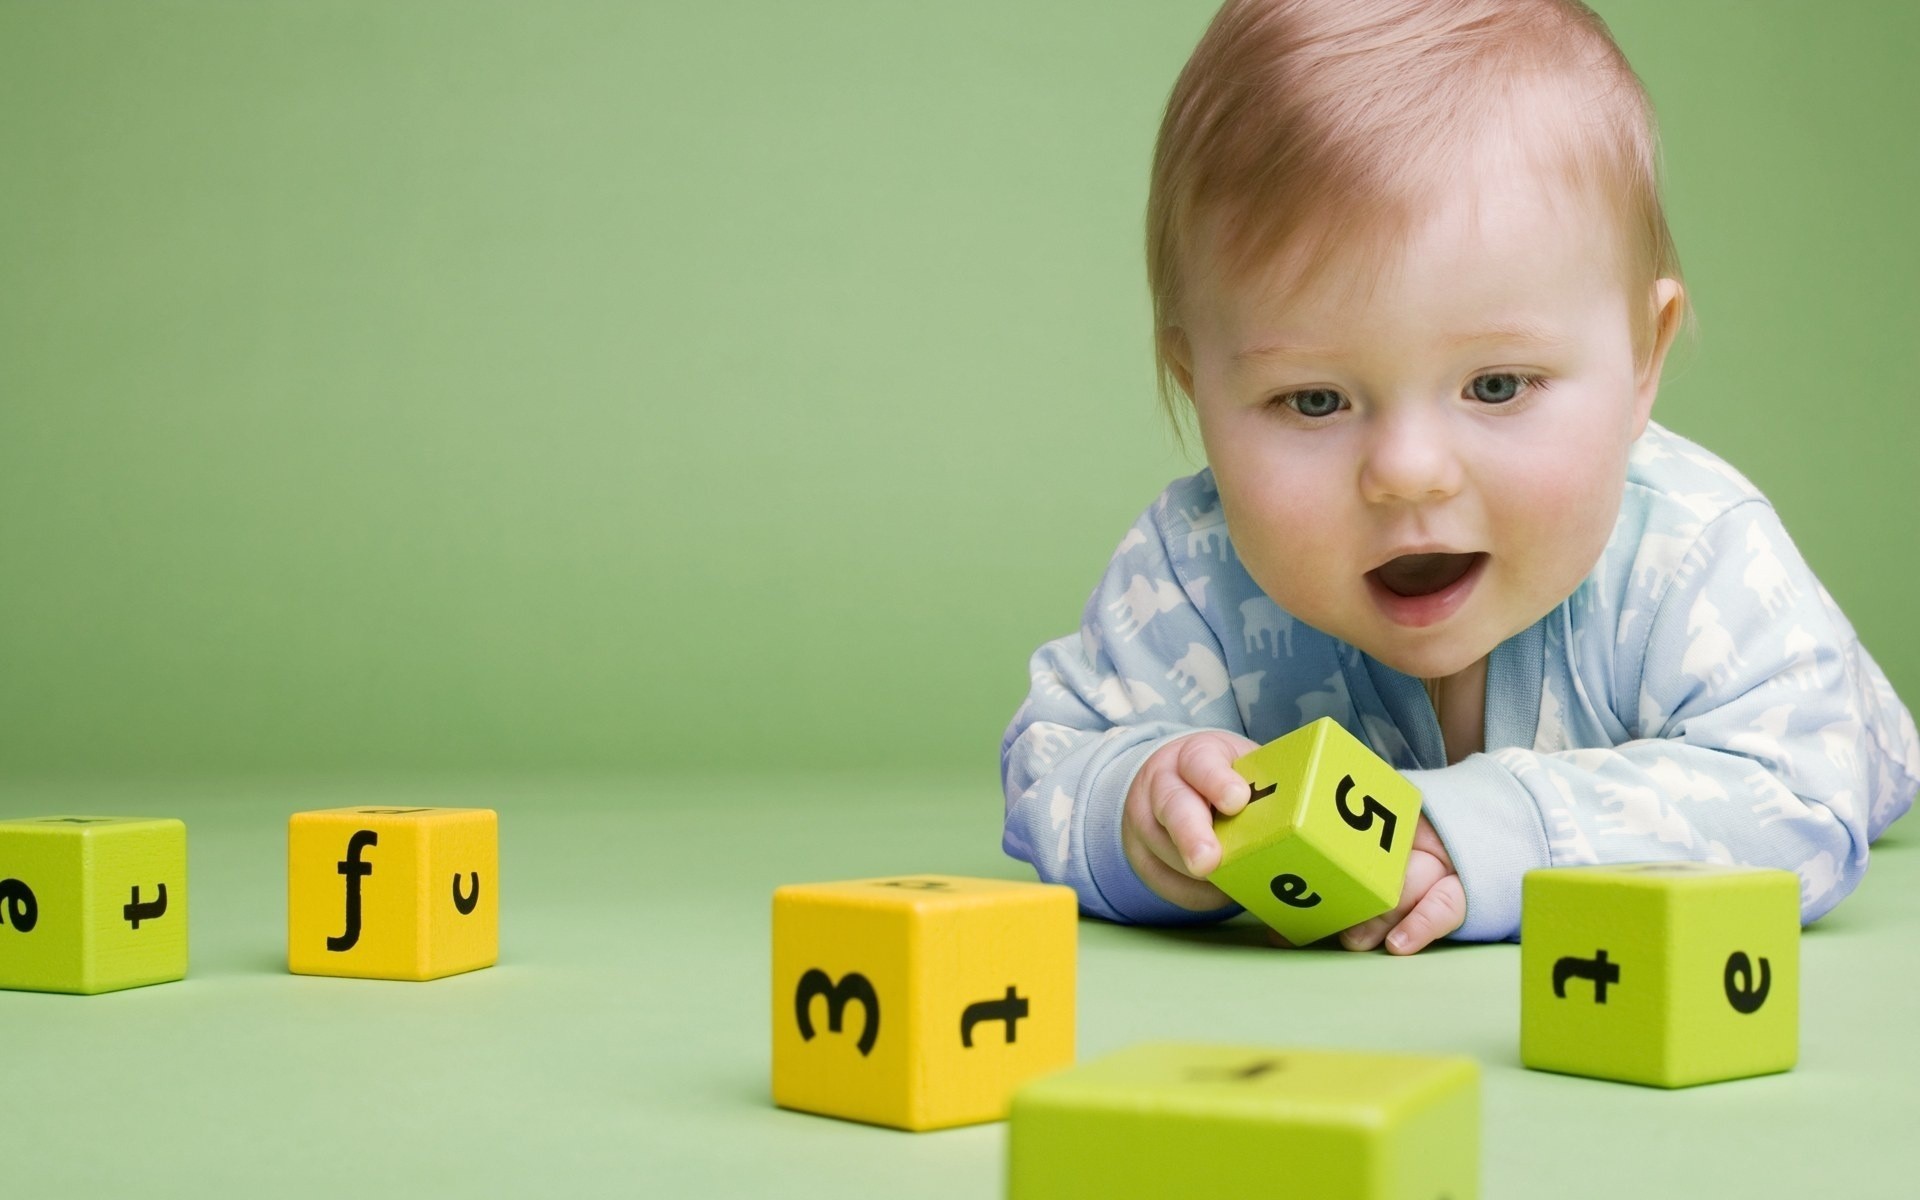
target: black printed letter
1741 993
1010 1009
353 869
134 912
465 903
21 908
1596 968
1292 890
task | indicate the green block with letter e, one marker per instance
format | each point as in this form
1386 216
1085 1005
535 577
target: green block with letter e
1323 845
1668 973
92 904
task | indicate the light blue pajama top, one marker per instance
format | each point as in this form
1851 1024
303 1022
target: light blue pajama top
1699 696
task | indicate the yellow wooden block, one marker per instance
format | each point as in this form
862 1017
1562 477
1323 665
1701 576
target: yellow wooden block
392 893
920 1001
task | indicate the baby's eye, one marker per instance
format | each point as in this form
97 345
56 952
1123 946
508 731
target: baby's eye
1504 386
1496 387
1314 402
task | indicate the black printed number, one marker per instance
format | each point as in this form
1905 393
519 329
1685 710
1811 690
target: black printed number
1363 820
852 987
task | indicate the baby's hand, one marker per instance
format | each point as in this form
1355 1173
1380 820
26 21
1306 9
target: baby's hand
1167 828
1432 902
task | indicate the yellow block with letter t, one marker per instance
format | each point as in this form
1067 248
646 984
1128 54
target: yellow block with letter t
919 1001
392 893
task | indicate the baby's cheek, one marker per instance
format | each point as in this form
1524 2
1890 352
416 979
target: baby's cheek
1293 547
1559 512
1583 497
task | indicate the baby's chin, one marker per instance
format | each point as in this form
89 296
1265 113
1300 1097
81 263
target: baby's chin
1450 656
1433 653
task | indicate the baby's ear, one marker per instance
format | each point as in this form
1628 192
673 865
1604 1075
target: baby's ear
1669 303
1178 353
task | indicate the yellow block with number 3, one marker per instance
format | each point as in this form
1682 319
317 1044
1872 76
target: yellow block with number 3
920 1001
1324 843
392 893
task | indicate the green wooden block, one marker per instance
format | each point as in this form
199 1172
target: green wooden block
1179 1119
92 904
1324 843
1668 973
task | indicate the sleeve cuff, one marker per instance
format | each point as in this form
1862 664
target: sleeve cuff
1113 876
1492 832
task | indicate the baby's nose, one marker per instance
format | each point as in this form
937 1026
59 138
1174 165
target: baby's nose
1409 458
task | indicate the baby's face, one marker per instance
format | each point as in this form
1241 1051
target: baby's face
1418 495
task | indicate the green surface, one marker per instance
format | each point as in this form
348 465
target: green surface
614 385
621 1045
1204 1119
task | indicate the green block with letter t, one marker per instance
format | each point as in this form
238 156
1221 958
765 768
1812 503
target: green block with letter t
1667 973
1183 1119
92 904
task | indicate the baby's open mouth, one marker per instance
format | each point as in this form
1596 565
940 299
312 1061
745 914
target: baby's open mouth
1423 574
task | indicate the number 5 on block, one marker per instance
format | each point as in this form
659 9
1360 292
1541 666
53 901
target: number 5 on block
1323 845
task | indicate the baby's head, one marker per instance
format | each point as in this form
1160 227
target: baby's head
1344 193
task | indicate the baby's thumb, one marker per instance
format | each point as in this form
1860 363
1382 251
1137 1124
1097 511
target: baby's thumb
1207 766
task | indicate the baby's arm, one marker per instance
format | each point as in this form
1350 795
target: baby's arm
1753 729
1145 670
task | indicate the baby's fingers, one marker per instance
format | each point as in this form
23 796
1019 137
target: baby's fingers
1206 765
1424 871
1188 820
1439 913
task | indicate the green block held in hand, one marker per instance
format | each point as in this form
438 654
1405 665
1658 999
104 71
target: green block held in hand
92 904
1669 974
1174 1119
1324 843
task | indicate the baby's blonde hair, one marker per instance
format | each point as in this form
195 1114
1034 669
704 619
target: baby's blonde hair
1312 126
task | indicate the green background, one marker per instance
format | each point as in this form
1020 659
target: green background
673 426
627 386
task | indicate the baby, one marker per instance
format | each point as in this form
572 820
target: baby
1411 270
